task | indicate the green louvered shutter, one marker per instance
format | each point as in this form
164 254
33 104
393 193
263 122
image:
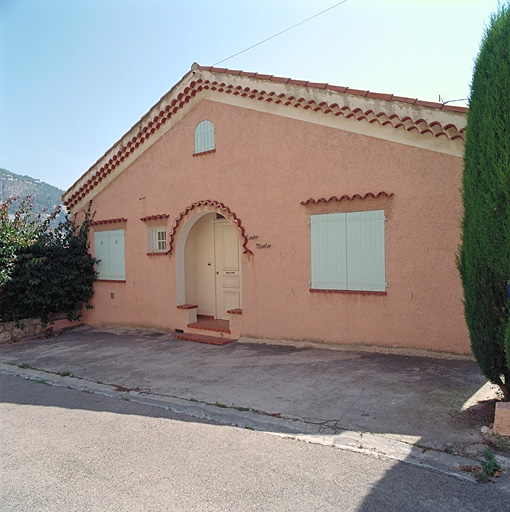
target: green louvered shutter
365 251
204 137
348 251
329 264
109 248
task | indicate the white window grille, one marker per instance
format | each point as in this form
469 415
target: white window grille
156 237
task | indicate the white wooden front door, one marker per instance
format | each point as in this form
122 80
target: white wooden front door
228 268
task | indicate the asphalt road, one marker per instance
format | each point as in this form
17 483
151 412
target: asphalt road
66 450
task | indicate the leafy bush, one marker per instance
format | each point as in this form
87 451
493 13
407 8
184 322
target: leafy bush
43 270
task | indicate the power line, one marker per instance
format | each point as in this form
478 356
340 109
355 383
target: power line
282 32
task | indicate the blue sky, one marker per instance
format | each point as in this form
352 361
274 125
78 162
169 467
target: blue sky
77 74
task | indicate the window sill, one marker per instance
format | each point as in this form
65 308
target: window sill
160 253
348 292
205 152
111 280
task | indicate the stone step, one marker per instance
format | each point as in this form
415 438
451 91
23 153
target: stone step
202 338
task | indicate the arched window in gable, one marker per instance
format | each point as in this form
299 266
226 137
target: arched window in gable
204 137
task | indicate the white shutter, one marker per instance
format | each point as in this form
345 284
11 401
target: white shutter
329 265
365 251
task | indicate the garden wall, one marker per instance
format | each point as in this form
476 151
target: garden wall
33 327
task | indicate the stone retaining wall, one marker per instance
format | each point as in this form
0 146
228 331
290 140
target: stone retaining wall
9 331
33 327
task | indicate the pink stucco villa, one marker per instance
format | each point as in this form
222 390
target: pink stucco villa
251 205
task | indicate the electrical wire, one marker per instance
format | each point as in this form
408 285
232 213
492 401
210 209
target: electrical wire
280 33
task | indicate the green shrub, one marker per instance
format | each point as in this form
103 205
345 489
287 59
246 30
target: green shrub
44 270
484 257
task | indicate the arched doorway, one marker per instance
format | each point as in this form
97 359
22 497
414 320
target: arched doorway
209 265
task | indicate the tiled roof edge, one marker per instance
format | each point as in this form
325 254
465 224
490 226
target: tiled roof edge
336 88
346 197
193 83
107 221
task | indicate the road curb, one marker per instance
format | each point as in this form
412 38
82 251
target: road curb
366 443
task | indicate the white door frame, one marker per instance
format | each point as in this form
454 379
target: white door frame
180 257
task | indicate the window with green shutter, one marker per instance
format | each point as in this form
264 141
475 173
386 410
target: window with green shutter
204 137
109 249
347 251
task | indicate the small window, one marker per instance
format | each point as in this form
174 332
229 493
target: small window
156 239
348 251
204 137
109 249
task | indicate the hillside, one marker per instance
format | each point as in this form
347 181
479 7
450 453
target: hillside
46 196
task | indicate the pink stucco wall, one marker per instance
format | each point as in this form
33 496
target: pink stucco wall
263 167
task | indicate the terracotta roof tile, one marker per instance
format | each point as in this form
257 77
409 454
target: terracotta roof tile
317 85
155 217
403 99
151 122
357 92
280 79
297 82
345 197
455 108
337 88
220 207
430 104
107 221
379 96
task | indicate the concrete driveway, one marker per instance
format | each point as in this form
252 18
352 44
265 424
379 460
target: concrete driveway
386 401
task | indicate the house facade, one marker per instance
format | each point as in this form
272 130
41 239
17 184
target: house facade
251 205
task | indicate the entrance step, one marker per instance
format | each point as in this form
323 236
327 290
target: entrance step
210 324
202 338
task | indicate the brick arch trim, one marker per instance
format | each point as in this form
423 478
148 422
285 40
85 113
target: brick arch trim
215 206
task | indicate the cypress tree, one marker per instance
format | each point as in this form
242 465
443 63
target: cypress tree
484 255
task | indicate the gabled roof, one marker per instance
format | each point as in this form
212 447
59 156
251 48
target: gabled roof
435 126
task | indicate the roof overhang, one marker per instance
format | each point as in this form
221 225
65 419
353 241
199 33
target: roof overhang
433 126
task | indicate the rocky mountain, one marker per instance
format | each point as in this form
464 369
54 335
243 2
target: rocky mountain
46 197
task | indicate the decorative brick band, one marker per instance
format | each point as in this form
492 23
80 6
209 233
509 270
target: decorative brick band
106 221
345 197
237 311
348 292
218 207
155 217
187 306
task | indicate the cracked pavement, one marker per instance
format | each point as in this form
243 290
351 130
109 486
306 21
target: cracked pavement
412 402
